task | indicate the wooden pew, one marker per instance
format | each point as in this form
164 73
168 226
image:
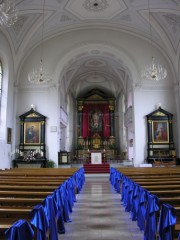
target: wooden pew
160 182
26 183
20 201
33 194
56 172
166 191
161 187
150 172
9 215
27 188
20 190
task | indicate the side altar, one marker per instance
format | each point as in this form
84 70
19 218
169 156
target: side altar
32 147
160 146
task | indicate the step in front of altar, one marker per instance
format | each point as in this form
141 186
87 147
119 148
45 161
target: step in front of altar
97 168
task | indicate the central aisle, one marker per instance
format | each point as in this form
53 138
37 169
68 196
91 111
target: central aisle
98 214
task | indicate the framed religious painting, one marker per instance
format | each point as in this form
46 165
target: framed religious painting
32 128
32 132
160 131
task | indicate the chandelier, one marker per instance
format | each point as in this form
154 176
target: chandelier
8 13
40 74
154 71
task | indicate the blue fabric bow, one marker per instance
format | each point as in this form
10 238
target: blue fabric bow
151 223
69 194
60 219
125 190
166 221
20 230
50 209
117 181
80 179
129 195
73 187
111 175
135 202
64 203
141 212
39 220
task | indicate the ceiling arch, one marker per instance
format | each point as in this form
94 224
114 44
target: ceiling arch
130 16
101 66
63 15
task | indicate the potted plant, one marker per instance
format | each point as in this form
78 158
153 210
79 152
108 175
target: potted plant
50 164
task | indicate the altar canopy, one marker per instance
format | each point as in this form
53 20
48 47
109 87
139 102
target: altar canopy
95 119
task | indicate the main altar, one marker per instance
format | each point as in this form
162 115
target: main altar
95 127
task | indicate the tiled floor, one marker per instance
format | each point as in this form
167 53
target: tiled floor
98 214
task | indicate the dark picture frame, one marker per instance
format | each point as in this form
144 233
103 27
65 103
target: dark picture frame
9 135
32 132
160 131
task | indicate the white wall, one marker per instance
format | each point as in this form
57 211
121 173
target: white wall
7 108
145 102
46 103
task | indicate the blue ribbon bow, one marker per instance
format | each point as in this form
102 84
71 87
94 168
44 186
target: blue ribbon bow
20 230
39 220
151 220
166 221
50 209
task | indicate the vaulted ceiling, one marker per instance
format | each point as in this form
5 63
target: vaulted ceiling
60 16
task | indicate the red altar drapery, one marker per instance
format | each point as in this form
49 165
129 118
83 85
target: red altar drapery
87 111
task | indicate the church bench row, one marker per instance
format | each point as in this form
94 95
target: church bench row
28 188
31 182
31 185
157 181
141 172
19 201
15 212
155 177
6 210
12 209
8 220
34 179
146 169
131 192
35 175
41 171
162 185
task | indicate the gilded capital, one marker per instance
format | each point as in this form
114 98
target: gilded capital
80 108
111 108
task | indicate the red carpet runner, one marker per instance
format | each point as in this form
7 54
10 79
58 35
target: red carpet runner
96 168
